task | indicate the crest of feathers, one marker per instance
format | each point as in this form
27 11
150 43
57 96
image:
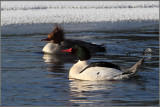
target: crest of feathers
57 35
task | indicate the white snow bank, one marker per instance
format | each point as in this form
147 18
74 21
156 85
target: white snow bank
38 12
25 5
31 17
78 15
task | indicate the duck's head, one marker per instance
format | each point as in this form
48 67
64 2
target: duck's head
56 36
80 51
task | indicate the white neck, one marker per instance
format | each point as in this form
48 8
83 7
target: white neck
78 67
86 62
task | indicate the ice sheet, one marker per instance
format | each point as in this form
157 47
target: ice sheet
37 12
30 17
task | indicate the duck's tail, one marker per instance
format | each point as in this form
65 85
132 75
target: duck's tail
134 69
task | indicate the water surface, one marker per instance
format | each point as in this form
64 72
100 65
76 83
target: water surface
32 78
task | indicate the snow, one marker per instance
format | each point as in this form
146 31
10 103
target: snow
45 12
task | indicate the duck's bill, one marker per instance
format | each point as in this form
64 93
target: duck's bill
47 39
67 50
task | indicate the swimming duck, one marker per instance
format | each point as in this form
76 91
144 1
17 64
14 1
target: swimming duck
85 70
57 42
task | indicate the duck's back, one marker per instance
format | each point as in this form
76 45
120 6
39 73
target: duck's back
67 43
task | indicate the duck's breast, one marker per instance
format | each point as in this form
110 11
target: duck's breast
50 48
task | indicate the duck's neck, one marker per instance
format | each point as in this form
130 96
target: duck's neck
78 67
86 62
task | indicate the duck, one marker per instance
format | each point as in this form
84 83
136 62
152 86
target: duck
57 42
84 69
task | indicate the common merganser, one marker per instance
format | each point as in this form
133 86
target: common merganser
57 42
85 70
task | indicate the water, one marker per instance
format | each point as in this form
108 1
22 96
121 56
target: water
32 78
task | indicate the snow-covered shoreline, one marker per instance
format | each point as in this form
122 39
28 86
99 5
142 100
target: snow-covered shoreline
30 17
26 5
34 12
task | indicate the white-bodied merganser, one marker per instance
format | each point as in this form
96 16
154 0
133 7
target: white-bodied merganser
85 70
57 42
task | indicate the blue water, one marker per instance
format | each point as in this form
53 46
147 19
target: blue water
32 78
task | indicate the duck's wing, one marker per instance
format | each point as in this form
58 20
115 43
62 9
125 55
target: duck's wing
102 64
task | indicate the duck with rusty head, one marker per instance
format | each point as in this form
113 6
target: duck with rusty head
57 42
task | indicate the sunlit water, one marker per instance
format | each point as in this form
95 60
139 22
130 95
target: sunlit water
32 78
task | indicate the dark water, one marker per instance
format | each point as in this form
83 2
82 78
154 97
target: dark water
32 78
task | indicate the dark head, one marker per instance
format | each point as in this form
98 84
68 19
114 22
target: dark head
56 36
80 51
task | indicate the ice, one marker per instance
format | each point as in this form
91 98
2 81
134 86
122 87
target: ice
30 17
25 5
37 12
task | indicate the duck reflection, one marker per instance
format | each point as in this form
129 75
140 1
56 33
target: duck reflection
85 92
82 87
56 63
91 92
